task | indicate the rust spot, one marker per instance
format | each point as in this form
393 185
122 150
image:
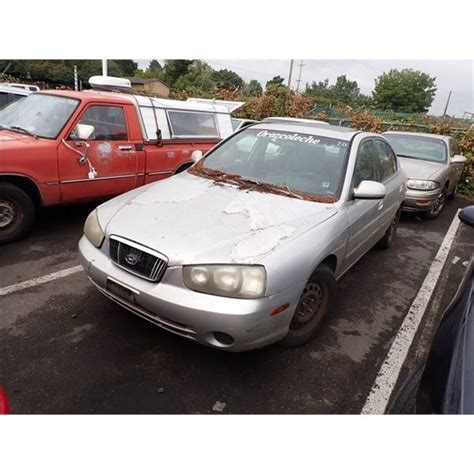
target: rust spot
221 177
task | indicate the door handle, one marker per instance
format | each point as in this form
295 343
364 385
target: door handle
125 147
380 206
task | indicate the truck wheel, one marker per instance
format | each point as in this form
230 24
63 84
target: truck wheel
17 213
315 304
386 241
438 206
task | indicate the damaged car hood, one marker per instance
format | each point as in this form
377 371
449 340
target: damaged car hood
194 220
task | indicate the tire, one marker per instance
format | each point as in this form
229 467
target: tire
386 241
437 208
310 314
17 213
452 195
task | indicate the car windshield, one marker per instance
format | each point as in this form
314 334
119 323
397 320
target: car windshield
295 162
421 148
38 114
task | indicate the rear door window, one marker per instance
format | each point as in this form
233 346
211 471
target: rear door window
192 124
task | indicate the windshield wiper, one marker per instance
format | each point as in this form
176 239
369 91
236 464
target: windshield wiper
22 130
408 156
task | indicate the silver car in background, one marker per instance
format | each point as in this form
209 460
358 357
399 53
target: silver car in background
244 249
433 164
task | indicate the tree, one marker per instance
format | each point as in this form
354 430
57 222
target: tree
199 78
345 90
276 81
226 79
406 91
318 89
174 69
126 66
253 89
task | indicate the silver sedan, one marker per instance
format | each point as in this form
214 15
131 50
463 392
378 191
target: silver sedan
244 249
433 164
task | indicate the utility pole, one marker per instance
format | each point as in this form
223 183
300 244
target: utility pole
447 103
104 67
290 73
300 65
76 85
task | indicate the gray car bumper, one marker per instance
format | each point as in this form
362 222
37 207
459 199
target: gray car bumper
196 316
418 201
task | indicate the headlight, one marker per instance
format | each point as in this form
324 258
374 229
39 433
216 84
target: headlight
422 185
236 281
93 231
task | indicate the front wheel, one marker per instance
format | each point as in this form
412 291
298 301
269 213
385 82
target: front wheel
17 213
315 304
438 206
386 241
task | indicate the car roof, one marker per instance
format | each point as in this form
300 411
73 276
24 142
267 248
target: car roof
14 90
321 129
416 134
292 120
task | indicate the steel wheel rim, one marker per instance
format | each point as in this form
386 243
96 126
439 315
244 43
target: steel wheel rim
439 204
7 213
311 308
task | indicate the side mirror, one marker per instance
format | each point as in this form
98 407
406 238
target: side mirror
83 132
196 155
458 159
370 190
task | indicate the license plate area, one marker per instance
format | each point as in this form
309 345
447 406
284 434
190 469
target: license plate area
122 291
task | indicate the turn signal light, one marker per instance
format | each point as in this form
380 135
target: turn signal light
279 309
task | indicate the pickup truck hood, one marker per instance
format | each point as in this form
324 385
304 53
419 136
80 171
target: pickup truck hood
10 139
193 220
419 169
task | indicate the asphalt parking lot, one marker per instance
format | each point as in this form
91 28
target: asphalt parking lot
64 348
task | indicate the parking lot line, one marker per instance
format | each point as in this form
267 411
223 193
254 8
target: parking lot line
38 281
387 376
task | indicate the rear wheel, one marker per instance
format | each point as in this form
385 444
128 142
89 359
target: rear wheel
315 304
17 213
438 206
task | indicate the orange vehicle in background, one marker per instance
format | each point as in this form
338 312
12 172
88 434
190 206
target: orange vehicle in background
64 147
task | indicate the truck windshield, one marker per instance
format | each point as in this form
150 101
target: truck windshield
41 115
299 162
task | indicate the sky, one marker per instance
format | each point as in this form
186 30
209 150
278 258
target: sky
451 75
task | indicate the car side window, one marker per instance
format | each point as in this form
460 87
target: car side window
108 121
365 166
453 148
387 162
3 99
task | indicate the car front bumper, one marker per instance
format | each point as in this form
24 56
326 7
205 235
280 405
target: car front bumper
419 201
196 316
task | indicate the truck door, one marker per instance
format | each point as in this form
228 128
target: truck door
112 165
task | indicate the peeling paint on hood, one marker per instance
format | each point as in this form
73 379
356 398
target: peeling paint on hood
191 220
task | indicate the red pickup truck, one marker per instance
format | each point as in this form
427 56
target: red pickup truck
62 147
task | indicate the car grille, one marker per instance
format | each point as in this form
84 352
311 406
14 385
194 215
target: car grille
137 261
